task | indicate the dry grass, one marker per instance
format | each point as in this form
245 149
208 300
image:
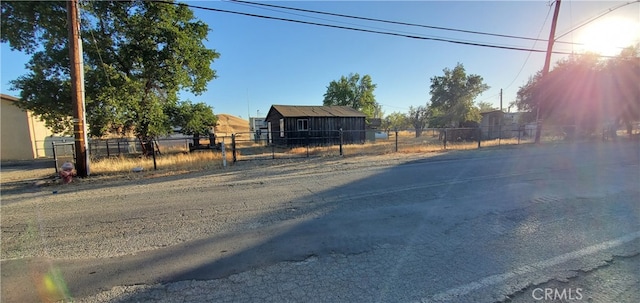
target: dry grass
175 159
407 144
177 162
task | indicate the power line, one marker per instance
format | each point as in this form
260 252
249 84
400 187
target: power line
388 21
363 30
318 18
397 107
266 7
595 18
529 54
571 16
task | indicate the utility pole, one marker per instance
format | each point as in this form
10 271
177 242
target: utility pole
545 69
77 89
501 99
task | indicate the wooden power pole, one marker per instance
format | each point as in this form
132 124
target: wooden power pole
77 89
545 69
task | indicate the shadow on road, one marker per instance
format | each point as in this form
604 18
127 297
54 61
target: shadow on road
422 205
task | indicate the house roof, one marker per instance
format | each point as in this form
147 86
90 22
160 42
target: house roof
8 98
316 111
492 112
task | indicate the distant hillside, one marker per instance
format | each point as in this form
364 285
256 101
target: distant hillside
228 124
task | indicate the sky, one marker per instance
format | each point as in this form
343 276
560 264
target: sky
264 62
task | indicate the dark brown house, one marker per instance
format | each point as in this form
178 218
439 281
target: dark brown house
296 125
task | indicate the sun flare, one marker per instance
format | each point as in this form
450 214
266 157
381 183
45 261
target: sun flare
608 37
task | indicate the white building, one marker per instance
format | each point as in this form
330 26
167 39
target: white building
258 125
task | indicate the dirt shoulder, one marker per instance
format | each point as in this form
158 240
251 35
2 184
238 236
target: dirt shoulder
28 177
23 178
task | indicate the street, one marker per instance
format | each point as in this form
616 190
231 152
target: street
528 224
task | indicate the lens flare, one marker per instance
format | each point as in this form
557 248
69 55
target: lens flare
609 36
52 287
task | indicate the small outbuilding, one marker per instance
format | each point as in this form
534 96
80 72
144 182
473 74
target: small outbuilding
491 124
297 125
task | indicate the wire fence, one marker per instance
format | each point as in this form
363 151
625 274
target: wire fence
245 146
303 144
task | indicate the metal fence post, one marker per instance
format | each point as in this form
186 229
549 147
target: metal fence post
308 143
445 139
153 155
396 140
519 133
499 134
341 140
73 150
55 157
107 143
233 148
479 136
224 154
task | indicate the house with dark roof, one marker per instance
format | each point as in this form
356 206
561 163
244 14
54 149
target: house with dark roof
298 125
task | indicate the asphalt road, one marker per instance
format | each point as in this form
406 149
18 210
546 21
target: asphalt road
482 226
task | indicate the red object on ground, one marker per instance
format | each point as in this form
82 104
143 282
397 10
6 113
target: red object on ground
66 172
67 176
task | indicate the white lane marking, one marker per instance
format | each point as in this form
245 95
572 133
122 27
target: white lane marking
455 293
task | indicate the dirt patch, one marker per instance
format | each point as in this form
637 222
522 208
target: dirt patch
18 181
26 170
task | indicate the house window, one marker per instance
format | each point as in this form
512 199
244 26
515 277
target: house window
281 128
303 124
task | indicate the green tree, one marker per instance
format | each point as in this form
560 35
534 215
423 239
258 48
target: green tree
525 97
395 120
138 55
418 117
486 107
452 96
193 119
355 92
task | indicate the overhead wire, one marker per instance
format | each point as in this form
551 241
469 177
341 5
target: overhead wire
529 54
592 19
405 34
317 18
363 30
571 20
392 106
266 7
525 61
609 10
389 21
95 43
